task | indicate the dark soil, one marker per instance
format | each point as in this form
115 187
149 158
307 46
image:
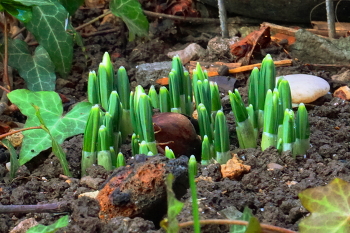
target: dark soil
271 194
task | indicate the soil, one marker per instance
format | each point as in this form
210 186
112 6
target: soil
271 194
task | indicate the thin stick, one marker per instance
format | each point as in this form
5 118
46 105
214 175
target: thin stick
40 208
99 32
94 20
2 136
265 227
6 78
19 32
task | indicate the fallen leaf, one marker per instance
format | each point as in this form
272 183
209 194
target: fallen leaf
245 47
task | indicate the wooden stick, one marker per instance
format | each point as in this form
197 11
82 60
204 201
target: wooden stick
41 208
287 62
339 26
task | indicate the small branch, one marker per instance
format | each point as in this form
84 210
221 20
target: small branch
6 78
4 89
19 32
41 208
94 20
99 32
265 227
2 136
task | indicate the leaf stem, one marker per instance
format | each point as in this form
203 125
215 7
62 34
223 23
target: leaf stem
2 136
236 222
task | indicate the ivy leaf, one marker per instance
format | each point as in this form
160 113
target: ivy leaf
60 127
61 222
131 13
71 5
37 70
48 27
20 9
329 206
29 2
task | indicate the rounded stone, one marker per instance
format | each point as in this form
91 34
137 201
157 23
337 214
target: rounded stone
306 88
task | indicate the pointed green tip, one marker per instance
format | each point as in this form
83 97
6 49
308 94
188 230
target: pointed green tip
192 159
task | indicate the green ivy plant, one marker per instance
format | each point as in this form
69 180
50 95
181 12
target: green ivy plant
329 206
61 222
48 21
51 109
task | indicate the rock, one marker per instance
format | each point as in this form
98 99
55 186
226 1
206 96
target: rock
140 190
342 76
306 88
89 194
219 48
191 52
274 166
23 226
343 93
91 182
234 168
310 48
147 74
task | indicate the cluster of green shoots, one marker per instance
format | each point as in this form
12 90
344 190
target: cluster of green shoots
118 112
179 99
270 109
109 120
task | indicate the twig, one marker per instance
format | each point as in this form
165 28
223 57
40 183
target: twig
99 32
6 78
94 20
265 227
19 32
2 136
41 208
287 62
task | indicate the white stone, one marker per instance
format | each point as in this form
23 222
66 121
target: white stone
306 88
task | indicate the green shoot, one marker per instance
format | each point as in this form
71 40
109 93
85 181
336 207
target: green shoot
288 136
153 95
104 154
90 139
302 131
192 172
244 127
204 123
93 89
205 151
120 160
169 153
145 115
164 100
270 130
175 95
221 139
134 144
